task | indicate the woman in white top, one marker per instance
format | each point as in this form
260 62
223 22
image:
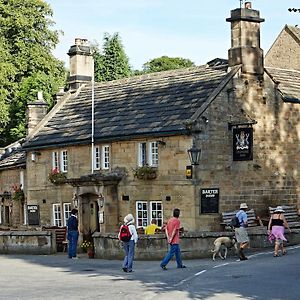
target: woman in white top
129 246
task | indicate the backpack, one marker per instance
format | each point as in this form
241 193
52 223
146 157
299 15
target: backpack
235 222
124 233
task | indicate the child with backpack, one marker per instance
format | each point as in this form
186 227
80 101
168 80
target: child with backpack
129 237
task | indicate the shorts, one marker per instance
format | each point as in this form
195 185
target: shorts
241 235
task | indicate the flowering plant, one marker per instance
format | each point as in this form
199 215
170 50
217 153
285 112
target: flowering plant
145 172
18 192
86 245
55 176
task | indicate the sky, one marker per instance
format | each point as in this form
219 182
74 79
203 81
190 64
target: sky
193 29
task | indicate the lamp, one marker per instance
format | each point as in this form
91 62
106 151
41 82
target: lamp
34 155
194 154
100 200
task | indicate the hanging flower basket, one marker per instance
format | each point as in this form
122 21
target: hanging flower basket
18 194
57 177
145 172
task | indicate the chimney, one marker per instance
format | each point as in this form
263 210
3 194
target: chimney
81 64
245 40
36 111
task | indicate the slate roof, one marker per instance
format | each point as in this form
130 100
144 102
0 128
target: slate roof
149 105
288 83
15 159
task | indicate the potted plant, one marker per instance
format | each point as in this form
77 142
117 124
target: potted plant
145 172
88 247
56 177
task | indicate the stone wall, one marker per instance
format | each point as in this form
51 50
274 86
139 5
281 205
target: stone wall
284 53
27 242
193 244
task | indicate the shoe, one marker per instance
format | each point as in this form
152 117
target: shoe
164 268
283 252
75 257
182 267
124 269
130 271
244 258
276 255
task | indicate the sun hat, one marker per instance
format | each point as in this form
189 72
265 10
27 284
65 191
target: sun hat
129 219
279 209
243 205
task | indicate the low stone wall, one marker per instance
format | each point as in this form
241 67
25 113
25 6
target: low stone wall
27 242
193 244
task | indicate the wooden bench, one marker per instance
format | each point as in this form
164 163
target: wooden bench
291 215
60 237
227 217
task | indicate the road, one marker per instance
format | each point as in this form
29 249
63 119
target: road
56 277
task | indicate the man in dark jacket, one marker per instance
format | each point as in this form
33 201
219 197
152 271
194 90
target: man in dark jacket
72 227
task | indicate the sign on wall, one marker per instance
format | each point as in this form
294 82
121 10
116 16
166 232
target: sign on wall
242 143
33 215
209 200
189 172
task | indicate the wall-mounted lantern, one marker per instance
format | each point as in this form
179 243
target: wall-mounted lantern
34 155
75 200
100 200
194 154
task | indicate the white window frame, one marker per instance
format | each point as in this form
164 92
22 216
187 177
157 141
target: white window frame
56 213
0 213
55 160
147 213
67 212
105 157
148 154
64 161
97 158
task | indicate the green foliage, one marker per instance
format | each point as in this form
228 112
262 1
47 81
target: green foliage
145 172
113 63
27 64
166 63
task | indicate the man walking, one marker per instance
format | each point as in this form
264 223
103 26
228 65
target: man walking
241 233
172 233
72 227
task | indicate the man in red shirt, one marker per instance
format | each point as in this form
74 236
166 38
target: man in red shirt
172 233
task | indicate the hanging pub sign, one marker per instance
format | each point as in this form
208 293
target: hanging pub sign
33 215
209 200
242 143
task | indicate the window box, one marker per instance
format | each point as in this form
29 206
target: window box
145 172
57 177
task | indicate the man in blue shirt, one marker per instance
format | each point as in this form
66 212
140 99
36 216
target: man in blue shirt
72 227
241 233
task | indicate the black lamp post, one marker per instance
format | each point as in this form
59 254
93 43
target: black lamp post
194 154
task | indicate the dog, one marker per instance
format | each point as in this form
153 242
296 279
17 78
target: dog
225 241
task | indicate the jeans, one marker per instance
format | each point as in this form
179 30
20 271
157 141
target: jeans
129 254
73 238
174 250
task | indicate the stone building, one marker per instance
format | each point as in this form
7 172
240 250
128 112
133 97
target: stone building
122 146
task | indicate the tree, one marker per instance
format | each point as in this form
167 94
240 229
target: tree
165 63
113 63
26 44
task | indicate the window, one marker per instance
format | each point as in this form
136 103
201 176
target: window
55 164
102 159
64 161
67 212
60 160
146 211
97 158
57 215
105 157
148 154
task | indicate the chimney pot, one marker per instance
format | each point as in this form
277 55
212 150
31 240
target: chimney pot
248 5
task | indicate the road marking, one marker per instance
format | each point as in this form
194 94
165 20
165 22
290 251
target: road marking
203 271
222 265
189 278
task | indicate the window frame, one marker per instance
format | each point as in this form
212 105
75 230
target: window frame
105 157
56 213
55 160
64 161
66 212
97 156
148 154
148 211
